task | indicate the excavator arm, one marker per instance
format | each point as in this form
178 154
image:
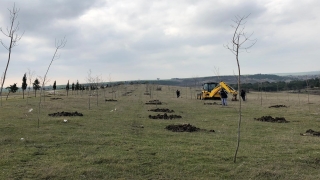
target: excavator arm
229 89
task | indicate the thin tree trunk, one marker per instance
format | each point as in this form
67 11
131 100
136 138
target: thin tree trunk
239 122
9 56
8 95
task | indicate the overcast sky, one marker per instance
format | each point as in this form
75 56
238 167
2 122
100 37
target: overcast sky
148 39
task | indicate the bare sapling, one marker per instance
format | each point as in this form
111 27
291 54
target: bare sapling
237 44
307 82
98 80
1 94
298 95
277 91
59 44
287 87
90 81
110 83
44 83
11 33
261 92
216 72
30 77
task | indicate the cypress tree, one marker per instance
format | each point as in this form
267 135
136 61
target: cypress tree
67 87
24 84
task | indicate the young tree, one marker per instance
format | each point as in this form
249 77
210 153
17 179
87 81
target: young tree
1 94
97 82
54 87
77 86
44 82
12 89
237 44
11 33
72 87
58 44
36 86
24 84
90 81
67 88
30 77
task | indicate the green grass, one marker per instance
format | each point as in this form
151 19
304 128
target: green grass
113 145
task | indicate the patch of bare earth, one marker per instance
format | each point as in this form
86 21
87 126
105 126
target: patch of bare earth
165 116
310 132
271 119
65 114
162 110
277 106
154 102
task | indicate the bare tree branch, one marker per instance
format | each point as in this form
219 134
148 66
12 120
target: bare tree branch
14 38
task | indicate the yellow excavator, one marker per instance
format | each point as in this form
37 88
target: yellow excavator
210 90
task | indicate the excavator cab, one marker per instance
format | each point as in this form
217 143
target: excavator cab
209 86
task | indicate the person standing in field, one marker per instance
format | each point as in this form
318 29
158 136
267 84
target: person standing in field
178 93
243 95
224 96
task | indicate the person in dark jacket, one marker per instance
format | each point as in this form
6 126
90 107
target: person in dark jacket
178 93
243 95
224 97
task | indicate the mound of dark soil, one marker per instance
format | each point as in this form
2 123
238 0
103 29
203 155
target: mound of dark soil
55 98
127 93
310 132
182 128
162 110
111 100
271 119
277 106
146 93
66 114
154 102
214 103
164 116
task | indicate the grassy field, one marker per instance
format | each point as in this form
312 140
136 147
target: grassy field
117 140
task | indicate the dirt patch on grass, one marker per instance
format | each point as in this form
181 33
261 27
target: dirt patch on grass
154 102
162 110
310 132
111 100
271 119
165 116
127 93
55 98
277 106
214 103
182 128
66 114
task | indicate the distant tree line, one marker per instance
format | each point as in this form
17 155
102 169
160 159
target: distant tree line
282 85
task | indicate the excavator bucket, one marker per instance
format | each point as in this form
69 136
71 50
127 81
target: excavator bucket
234 97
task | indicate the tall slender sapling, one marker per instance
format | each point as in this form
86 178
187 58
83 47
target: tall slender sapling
237 44
58 44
